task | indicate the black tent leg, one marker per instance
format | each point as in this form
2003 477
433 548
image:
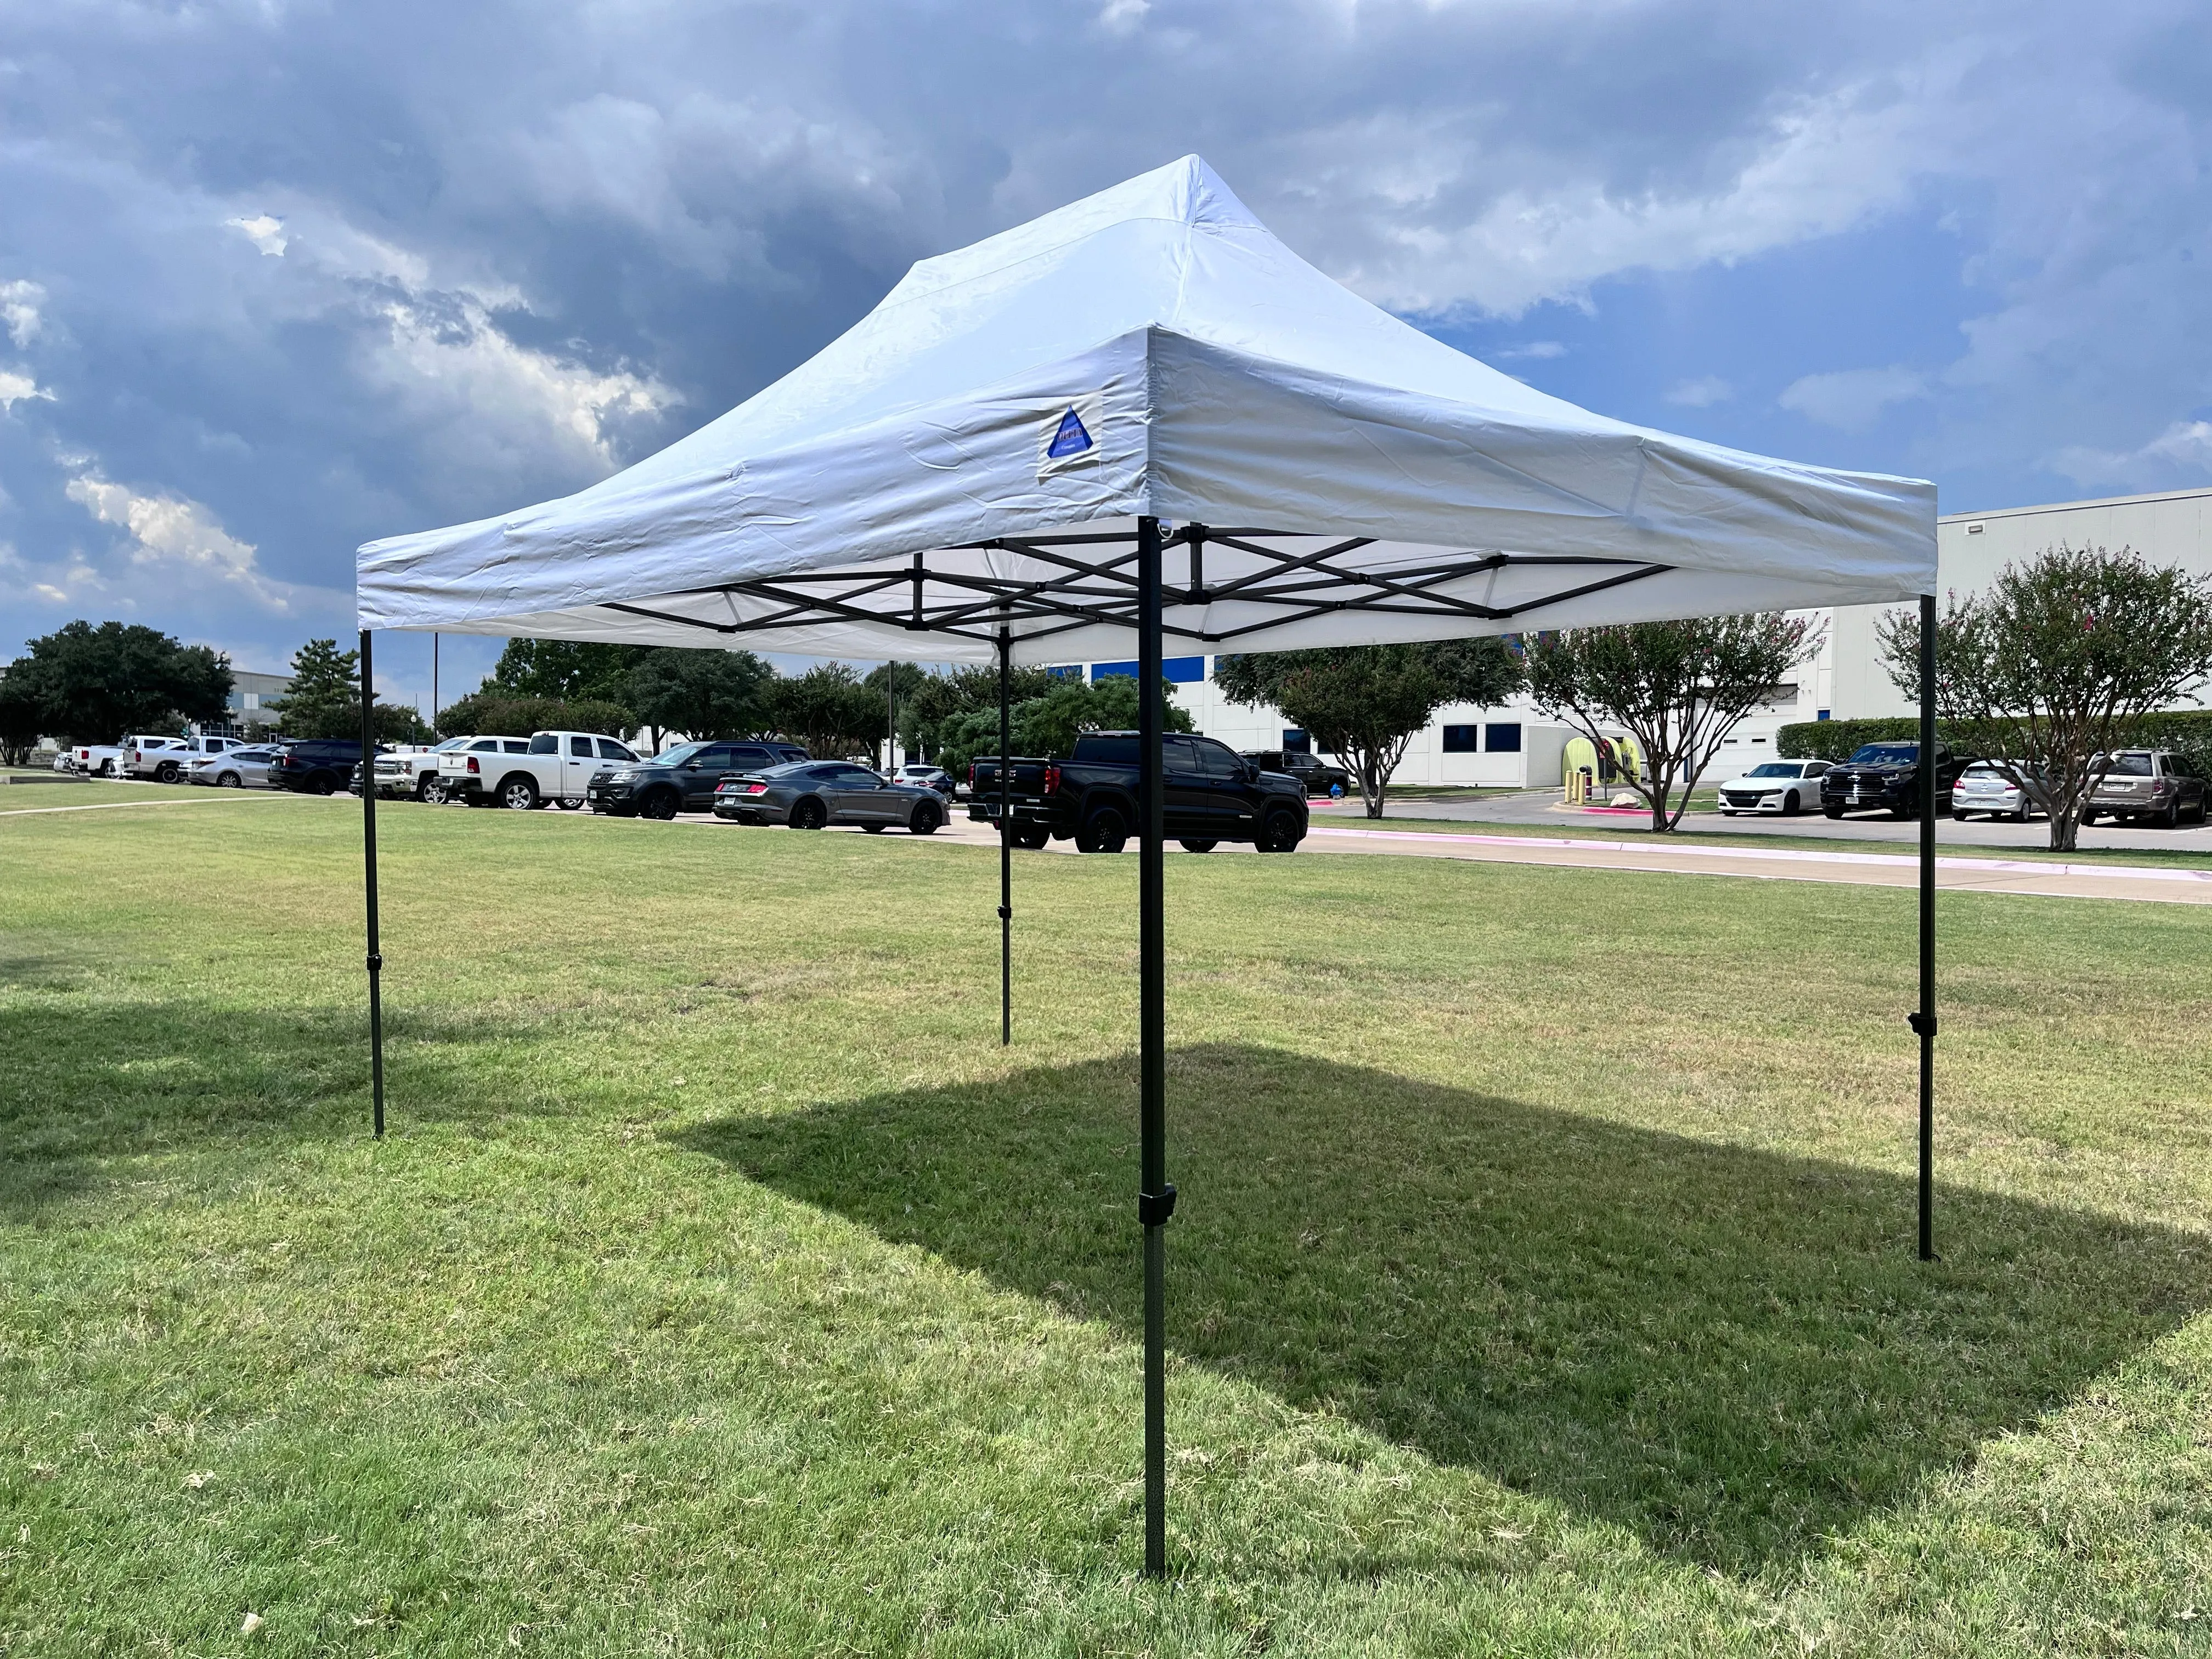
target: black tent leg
1155 1197
1006 852
1924 1022
368 855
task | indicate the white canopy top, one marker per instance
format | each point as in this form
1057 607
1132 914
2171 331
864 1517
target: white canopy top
975 451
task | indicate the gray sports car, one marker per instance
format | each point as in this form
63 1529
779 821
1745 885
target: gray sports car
814 794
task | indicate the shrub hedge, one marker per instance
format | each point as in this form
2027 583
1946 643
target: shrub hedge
2186 731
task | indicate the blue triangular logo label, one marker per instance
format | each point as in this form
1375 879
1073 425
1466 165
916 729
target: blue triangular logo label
1070 439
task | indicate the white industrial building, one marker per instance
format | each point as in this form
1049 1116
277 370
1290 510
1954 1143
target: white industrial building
1513 746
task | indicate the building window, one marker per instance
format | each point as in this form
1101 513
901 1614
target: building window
1820 713
1501 738
1296 742
1066 671
1463 739
1176 671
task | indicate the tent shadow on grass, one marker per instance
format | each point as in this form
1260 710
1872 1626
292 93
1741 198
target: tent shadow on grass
1732 1352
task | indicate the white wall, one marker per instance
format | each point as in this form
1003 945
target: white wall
2174 528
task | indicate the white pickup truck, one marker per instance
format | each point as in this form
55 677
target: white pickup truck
426 775
554 766
167 759
139 754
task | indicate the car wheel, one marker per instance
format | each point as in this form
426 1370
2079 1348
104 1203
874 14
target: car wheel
1960 814
1033 836
1279 832
572 803
229 781
166 772
875 828
1831 811
435 792
1103 831
925 819
808 813
107 769
658 805
519 795
2087 818
1200 846
322 784
2170 818
1791 805
1727 812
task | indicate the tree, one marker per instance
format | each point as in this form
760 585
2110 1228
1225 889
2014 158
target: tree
1678 687
937 703
1049 724
572 669
491 712
325 698
22 712
2058 663
703 693
94 683
1363 703
830 711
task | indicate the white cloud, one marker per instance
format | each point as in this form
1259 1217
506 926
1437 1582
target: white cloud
19 310
266 232
176 534
1702 393
1535 349
1123 17
1853 399
2181 453
15 388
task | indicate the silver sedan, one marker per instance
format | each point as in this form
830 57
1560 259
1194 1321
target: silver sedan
241 768
815 794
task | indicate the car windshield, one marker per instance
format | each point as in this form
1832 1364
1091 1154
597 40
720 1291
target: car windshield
677 756
1886 754
449 745
1774 770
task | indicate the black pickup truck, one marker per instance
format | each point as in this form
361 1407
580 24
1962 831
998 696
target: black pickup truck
1214 794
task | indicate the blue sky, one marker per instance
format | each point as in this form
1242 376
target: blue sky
278 277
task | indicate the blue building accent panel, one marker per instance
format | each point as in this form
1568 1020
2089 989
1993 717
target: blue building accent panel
1178 670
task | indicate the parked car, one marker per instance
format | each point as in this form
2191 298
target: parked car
1213 795
924 777
1787 787
1319 777
1887 776
683 779
1992 786
315 766
2146 783
176 756
815 794
553 766
65 760
96 760
246 766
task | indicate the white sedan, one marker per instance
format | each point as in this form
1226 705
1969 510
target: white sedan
1786 787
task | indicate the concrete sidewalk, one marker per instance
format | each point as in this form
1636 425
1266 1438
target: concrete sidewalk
2034 877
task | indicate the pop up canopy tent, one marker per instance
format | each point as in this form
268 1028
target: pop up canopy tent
1138 417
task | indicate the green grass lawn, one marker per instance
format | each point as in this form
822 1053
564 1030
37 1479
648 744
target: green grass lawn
1542 1282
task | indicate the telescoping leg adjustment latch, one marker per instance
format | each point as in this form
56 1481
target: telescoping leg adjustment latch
1153 1209
1922 1024
375 963
1006 913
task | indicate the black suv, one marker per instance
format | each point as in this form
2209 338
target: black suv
315 766
1319 777
1885 777
683 779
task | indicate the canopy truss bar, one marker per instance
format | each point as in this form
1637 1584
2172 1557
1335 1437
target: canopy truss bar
948 592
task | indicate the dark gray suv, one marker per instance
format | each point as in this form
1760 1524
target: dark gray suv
683 780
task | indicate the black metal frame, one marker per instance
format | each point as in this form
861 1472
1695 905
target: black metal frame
1098 581
1140 599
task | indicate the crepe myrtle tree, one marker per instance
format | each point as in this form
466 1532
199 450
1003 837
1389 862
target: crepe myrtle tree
2058 663
1363 703
1677 688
